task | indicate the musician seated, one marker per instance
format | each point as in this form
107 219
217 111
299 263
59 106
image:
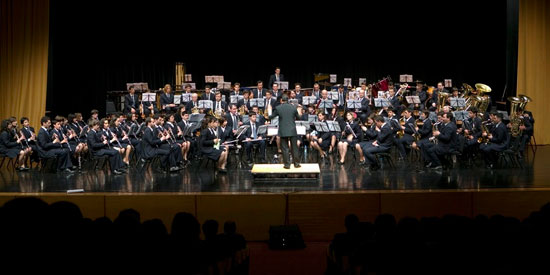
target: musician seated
151 146
210 144
59 131
14 145
167 99
383 143
224 132
111 139
170 143
188 141
236 89
393 120
341 102
193 105
320 141
220 107
208 95
471 130
28 133
99 146
251 138
149 108
260 119
446 142
74 131
298 93
324 97
408 131
498 139
425 131
123 140
131 101
526 130
364 111
351 135
49 148
269 101
245 101
176 134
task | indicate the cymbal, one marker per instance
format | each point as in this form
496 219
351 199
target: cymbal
483 88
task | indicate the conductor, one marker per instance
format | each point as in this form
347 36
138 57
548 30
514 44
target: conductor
287 114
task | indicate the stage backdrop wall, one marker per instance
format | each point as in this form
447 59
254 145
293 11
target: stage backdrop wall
24 58
534 62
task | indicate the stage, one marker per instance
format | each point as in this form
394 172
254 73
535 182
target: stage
318 206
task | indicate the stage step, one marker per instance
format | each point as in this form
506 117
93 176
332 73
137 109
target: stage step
270 171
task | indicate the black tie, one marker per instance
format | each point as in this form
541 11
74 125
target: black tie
234 122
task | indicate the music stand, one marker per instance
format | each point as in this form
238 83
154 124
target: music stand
326 104
272 130
433 116
381 102
257 102
321 127
283 85
196 117
185 97
242 129
234 99
205 104
413 99
149 97
353 95
177 99
458 102
354 104
311 118
460 115
333 126
333 95
306 100
293 101
245 119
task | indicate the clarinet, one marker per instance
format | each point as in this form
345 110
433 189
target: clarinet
68 146
114 135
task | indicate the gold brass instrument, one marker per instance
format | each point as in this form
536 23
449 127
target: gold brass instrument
218 113
515 120
430 93
195 110
416 134
482 90
242 110
401 132
524 100
441 99
434 128
484 139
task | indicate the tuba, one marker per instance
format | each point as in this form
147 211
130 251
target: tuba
515 120
482 90
441 99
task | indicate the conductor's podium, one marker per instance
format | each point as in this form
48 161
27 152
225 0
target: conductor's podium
309 171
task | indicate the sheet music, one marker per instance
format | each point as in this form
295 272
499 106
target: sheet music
185 97
306 100
283 85
347 82
301 130
188 78
448 83
413 99
272 131
405 78
311 118
205 104
177 99
333 126
333 78
332 95
193 85
361 81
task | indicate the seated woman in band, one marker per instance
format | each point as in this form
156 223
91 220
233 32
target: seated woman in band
210 144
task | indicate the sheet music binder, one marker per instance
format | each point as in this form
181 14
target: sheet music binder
311 118
149 97
381 102
205 104
262 130
177 99
333 95
185 97
306 100
242 129
283 85
457 102
321 127
260 102
327 104
272 130
333 126
460 115
414 99
353 104
234 99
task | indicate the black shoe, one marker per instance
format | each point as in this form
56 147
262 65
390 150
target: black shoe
286 166
222 170
118 172
374 167
340 163
429 165
439 167
174 169
67 170
297 165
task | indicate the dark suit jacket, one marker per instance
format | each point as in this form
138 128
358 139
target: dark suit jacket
385 136
248 133
255 93
207 141
150 142
166 99
229 120
224 106
273 103
273 79
287 114
241 103
225 135
95 142
447 136
426 130
7 142
499 133
45 141
129 103
210 96
189 106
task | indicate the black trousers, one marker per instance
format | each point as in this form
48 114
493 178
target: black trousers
294 146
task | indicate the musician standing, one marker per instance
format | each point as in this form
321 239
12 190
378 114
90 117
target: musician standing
287 114
276 77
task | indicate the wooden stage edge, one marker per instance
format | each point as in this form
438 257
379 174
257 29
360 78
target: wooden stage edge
318 214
